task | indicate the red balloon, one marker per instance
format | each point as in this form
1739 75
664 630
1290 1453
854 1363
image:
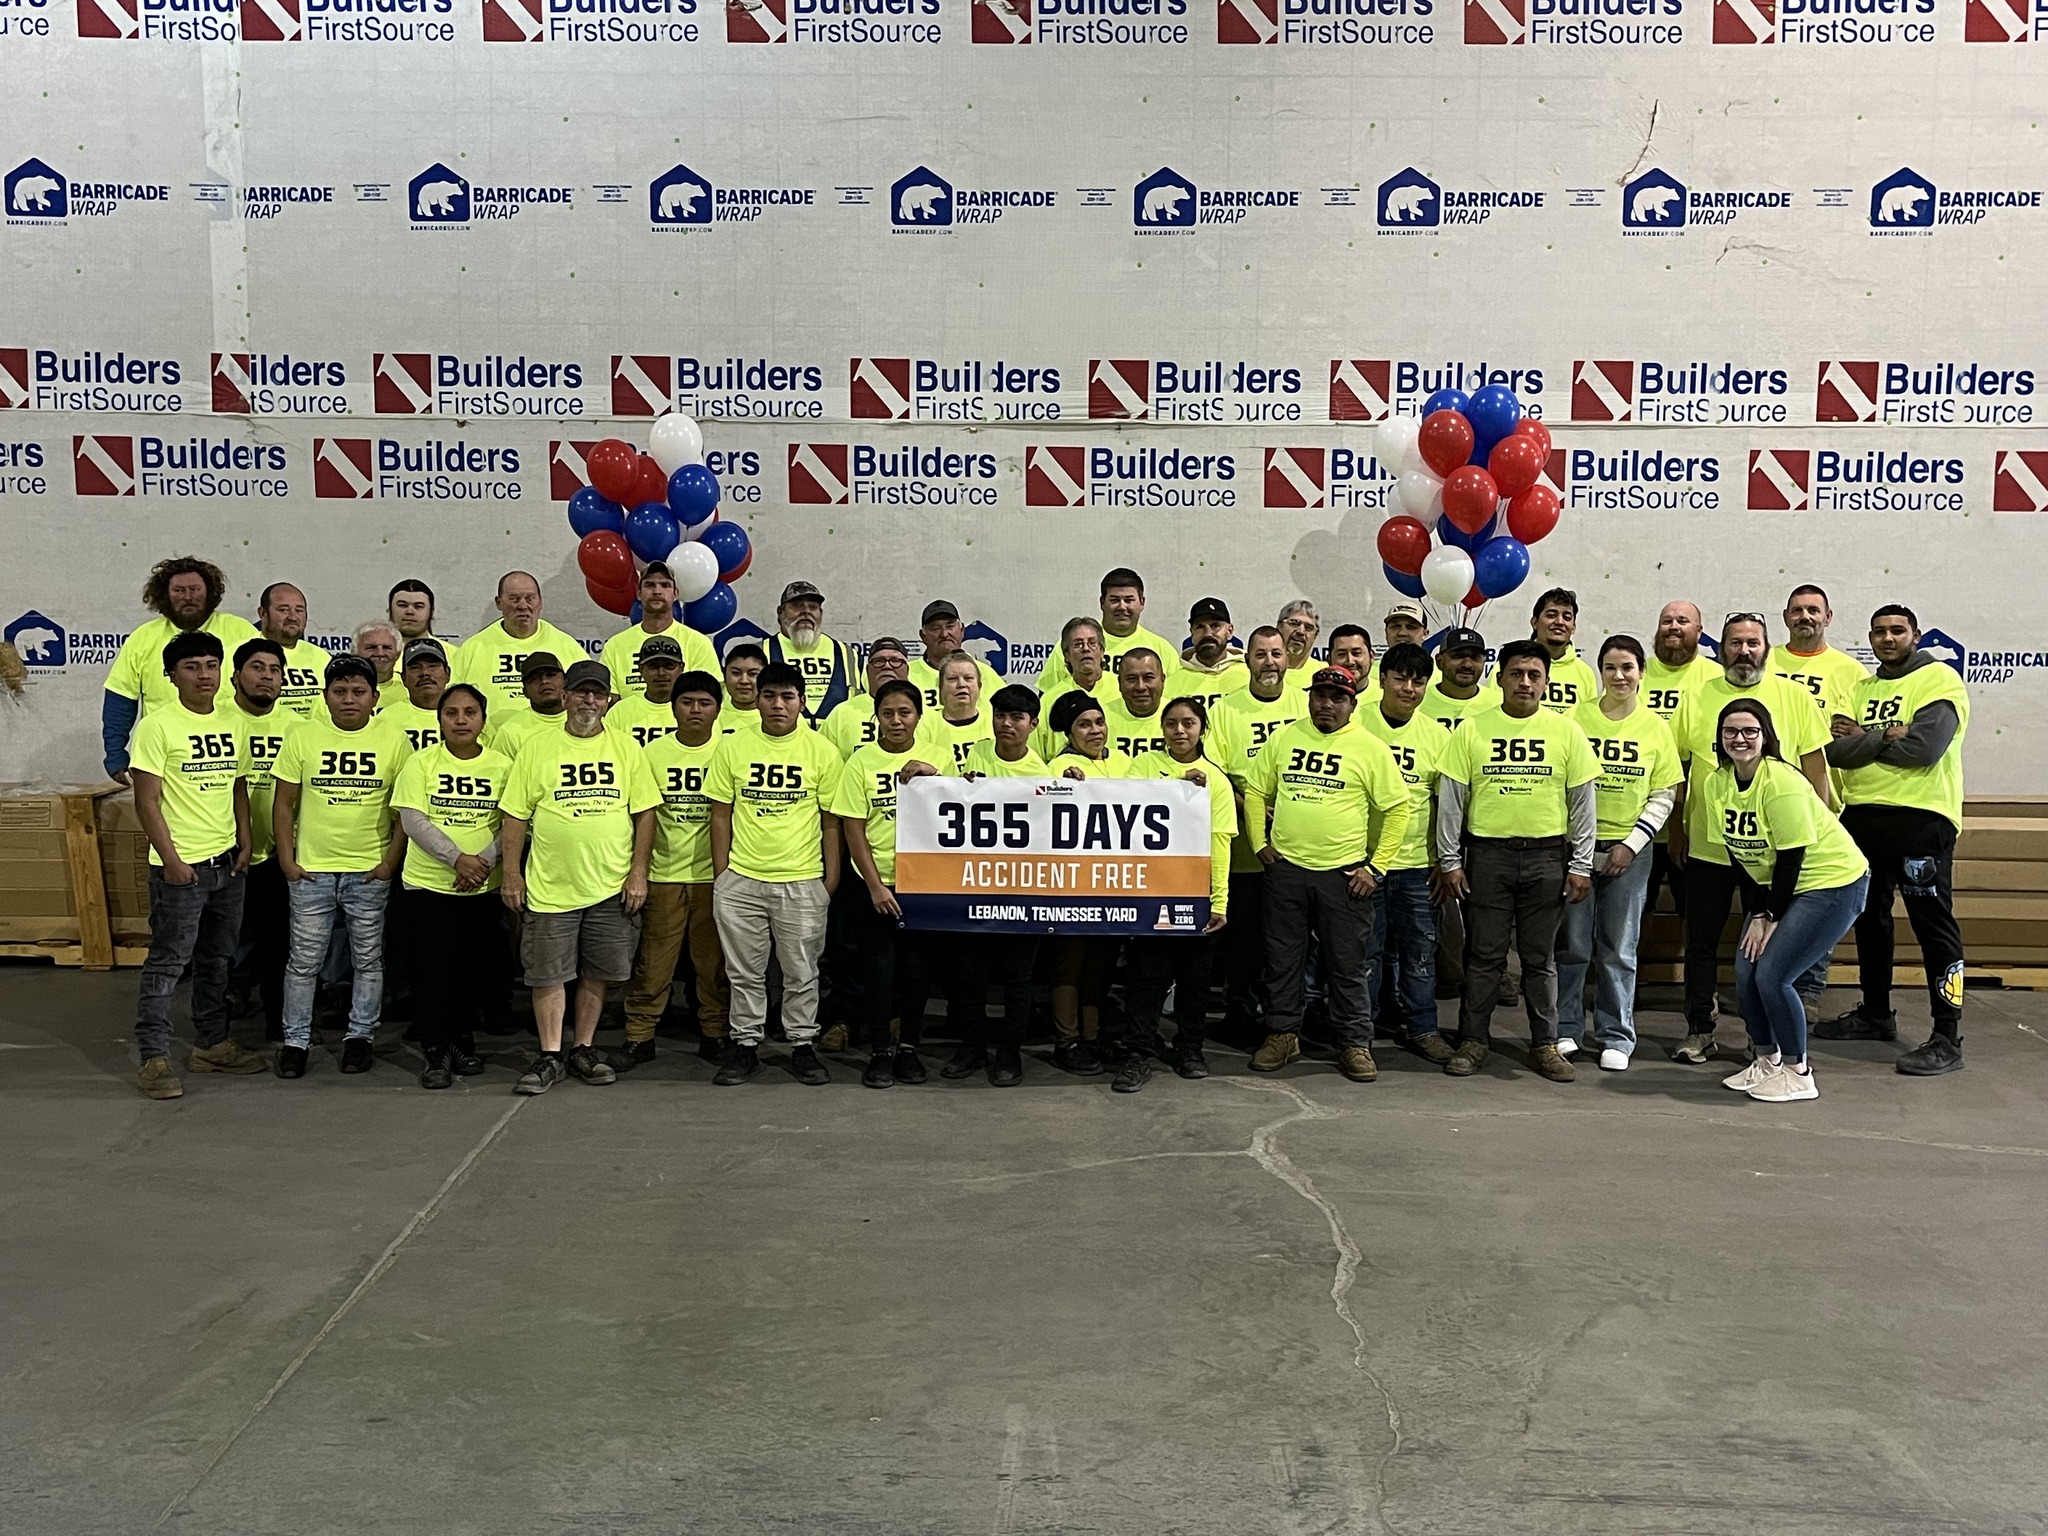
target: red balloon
1403 544
610 599
652 484
605 558
1529 426
1445 440
615 470
1470 498
1533 513
1515 463
1474 599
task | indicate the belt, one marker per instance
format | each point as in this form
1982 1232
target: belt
218 861
1521 843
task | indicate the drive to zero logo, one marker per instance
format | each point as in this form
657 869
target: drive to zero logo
1779 479
343 469
1119 389
818 475
1603 391
2021 481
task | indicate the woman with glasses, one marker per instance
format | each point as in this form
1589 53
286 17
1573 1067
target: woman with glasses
1638 785
1803 882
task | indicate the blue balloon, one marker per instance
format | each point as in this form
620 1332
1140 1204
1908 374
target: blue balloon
1451 533
713 611
1402 582
1447 400
652 530
693 494
1493 412
1500 565
730 543
637 613
591 511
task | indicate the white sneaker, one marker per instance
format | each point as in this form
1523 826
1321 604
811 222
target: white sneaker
1612 1060
1567 1047
1750 1075
1784 1085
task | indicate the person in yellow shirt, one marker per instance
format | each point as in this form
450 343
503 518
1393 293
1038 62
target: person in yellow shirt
1709 880
1807 659
1081 966
1209 668
1803 880
192 797
658 616
1123 605
493 658
424 672
1553 621
281 616
678 910
1633 797
1401 976
447 798
742 677
1299 625
1675 666
261 726
1517 813
584 803
943 636
1156 963
649 715
1460 667
542 709
1077 722
1899 751
826 665
1351 649
852 725
1087 671
1340 812
775 861
378 643
1133 715
894 984
1240 725
1007 754
1405 624
962 721
185 594
339 846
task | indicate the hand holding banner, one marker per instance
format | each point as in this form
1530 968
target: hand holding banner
1095 856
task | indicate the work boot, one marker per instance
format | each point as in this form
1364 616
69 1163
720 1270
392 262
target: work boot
1431 1047
1006 1066
1276 1053
966 1061
741 1062
1356 1063
635 1053
881 1072
158 1081
355 1054
1696 1049
225 1057
711 1048
909 1066
291 1061
805 1067
1467 1059
1191 1063
1859 1023
833 1038
1548 1061
1075 1056
587 1066
1132 1073
437 1073
1941 1053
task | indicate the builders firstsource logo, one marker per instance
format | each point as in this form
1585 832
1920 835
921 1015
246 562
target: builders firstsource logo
204 468
1854 480
865 474
1940 392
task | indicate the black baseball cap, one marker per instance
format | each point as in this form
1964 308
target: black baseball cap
660 648
1461 640
938 608
1209 610
584 674
425 648
351 665
538 662
890 643
797 589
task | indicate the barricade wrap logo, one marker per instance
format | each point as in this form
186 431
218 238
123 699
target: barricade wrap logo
1410 203
1906 201
679 198
36 192
441 469
39 640
35 189
1932 394
922 199
1070 475
1979 666
1854 480
1653 202
862 474
2020 481
1164 200
438 196
1678 394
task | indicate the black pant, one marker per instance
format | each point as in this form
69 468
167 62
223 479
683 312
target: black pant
1301 903
1244 949
461 944
1911 851
1709 888
893 976
1517 888
267 930
1662 870
1151 966
986 958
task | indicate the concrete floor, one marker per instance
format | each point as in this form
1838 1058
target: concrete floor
1252 1305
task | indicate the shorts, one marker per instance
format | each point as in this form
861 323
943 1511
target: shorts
594 943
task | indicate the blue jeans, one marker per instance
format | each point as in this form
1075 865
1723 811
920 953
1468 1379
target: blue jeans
195 924
1768 990
314 902
1602 932
1405 920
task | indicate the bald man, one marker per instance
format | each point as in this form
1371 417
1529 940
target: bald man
490 658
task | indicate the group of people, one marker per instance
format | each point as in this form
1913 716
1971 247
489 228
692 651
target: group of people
1380 815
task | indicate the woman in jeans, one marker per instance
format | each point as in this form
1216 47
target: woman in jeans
1639 775
1180 961
1081 966
1803 884
447 802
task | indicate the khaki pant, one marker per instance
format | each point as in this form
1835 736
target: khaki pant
758 919
676 914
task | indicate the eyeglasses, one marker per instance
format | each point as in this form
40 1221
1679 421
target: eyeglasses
1742 733
1745 618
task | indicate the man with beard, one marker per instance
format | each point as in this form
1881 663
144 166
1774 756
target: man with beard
185 594
281 616
1123 605
1675 666
943 635
410 606
658 616
826 665
424 672
1299 625
1133 716
1709 878
1460 664
1807 659
261 724
1351 649
1209 669
852 725
492 658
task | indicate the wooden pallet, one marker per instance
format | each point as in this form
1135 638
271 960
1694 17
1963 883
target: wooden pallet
69 888
74 955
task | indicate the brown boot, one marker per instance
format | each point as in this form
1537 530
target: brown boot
225 1057
158 1081
1467 1059
1356 1063
1276 1053
1548 1061
1431 1047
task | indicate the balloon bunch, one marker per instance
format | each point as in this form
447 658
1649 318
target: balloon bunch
673 500
1467 465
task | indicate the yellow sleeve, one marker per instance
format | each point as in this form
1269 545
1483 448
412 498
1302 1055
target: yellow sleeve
1222 829
1388 793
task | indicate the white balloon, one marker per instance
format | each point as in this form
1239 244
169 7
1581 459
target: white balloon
1393 442
1421 494
674 441
695 569
1446 574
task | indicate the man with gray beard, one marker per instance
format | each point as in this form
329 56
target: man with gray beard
827 665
